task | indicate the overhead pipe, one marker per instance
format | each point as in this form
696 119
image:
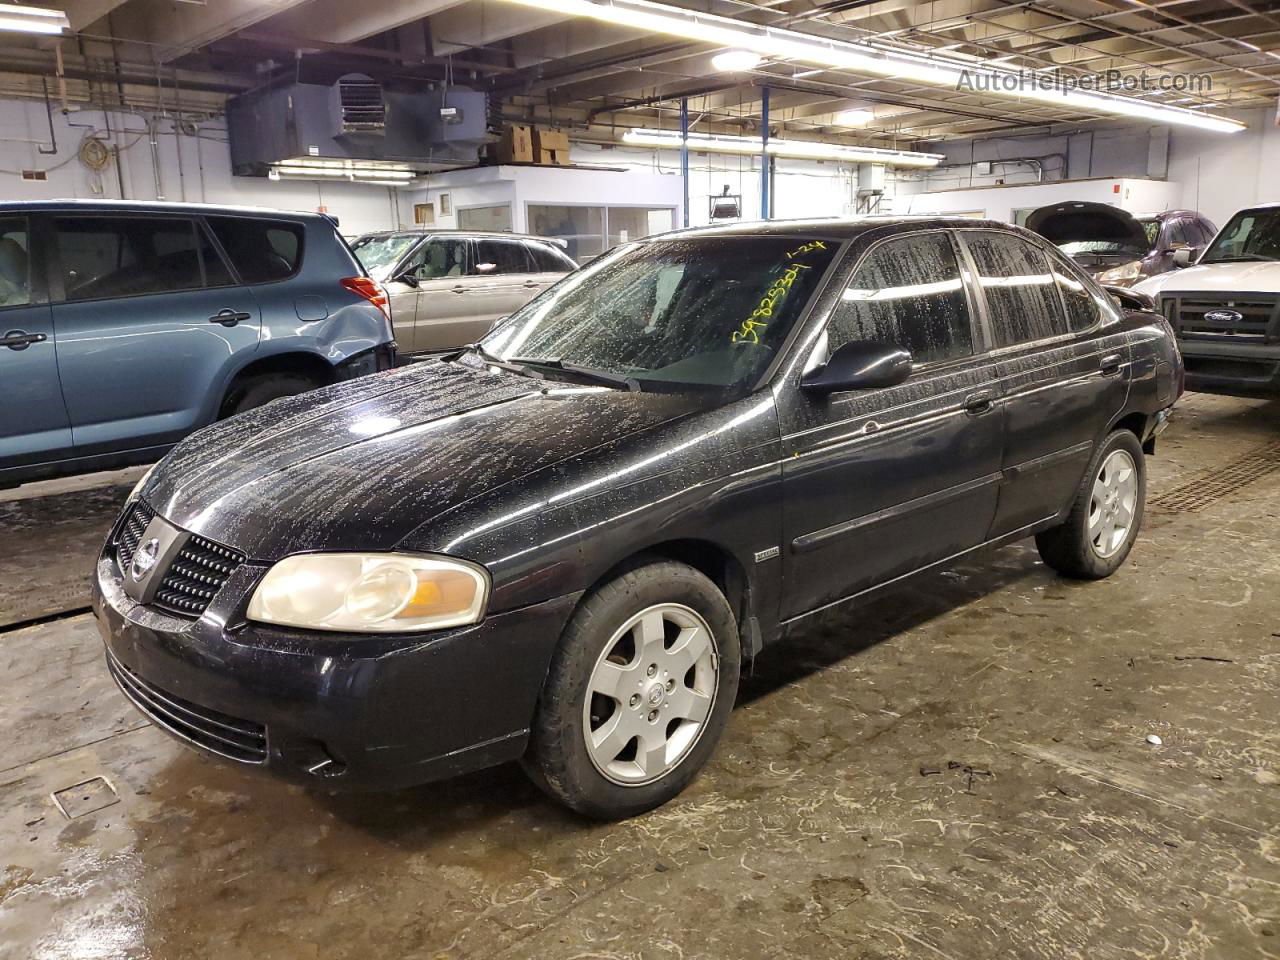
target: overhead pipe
764 153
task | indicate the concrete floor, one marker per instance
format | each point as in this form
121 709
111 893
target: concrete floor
821 829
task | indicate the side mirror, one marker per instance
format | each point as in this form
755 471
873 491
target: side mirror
860 365
407 278
1185 256
1131 299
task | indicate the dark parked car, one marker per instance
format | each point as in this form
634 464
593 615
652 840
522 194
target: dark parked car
125 326
562 544
1121 248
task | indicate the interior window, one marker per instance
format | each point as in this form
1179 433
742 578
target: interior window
907 292
437 259
1019 288
15 264
262 250
127 256
501 257
547 259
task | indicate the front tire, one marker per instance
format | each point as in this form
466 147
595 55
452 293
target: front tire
1107 513
638 692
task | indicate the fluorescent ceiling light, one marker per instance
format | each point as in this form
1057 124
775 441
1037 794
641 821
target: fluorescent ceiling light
736 61
15 18
866 58
365 171
853 118
801 149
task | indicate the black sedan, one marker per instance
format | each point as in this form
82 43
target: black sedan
560 545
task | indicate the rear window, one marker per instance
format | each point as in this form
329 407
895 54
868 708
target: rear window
262 251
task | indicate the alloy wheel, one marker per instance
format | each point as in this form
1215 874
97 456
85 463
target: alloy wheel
1114 503
650 694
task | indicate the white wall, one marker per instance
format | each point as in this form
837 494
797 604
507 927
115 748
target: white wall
999 203
1220 173
191 168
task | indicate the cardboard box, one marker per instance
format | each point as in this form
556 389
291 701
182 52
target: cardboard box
516 145
551 146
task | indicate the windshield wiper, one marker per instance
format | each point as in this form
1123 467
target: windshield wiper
605 377
509 365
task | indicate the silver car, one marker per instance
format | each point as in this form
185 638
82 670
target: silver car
448 287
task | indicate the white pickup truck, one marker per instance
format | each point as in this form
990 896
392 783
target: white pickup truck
1226 308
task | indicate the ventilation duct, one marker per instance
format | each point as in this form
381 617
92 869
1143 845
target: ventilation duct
359 106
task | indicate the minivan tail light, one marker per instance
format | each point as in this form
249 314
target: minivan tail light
371 290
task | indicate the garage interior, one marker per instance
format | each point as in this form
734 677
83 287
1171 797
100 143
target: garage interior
989 761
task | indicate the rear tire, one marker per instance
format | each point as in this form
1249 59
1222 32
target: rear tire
1106 516
638 694
263 388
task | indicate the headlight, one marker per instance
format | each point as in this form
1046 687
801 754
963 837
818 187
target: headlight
371 592
1128 271
137 487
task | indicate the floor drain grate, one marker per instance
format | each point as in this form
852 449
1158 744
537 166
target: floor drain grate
1214 485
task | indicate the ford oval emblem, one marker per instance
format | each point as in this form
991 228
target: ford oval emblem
144 559
1224 316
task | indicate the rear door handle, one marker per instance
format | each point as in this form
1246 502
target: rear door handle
229 317
532 284
976 404
459 289
1110 364
20 339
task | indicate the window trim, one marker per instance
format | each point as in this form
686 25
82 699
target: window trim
57 283
1046 248
977 328
302 246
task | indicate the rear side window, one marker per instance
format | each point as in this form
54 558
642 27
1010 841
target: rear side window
1079 301
548 259
498 257
907 292
1019 287
262 251
128 256
15 263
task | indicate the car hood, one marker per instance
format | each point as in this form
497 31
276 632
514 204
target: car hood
1216 278
361 464
1062 223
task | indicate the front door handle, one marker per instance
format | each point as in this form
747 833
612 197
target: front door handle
980 402
20 339
229 317
459 289
531 285
1110 364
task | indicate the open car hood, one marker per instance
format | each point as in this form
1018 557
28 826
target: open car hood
1075 221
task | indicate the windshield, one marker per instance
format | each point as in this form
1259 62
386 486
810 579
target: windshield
1251 235
1152 229
378 254
707 312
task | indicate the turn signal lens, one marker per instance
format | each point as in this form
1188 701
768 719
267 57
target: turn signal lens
371 593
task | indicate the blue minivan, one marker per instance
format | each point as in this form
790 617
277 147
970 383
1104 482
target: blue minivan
124 326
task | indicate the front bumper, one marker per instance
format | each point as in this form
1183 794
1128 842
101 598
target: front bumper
331 709
1231 368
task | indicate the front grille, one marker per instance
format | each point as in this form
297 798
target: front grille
131 532
196 574
216 732
1259 317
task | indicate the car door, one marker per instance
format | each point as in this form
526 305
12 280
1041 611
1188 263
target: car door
445 312
879 483
148 315
1062 364
504 280
550 263
34 426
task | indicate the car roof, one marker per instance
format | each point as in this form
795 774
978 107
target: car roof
835 228
1166 214
153 206
433 232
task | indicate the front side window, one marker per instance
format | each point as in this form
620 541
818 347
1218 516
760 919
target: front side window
127 256
1250 235
703 312
501 258
15 263
1019 287
440 259
907 292
262 251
